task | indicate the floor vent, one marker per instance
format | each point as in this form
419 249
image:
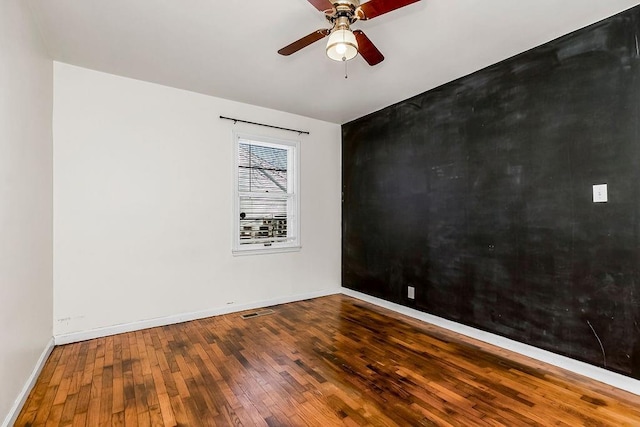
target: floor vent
257 313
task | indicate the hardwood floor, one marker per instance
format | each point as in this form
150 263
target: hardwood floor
321 362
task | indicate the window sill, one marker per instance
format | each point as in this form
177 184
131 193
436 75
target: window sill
264 251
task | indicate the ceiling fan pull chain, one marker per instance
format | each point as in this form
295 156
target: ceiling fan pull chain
345 67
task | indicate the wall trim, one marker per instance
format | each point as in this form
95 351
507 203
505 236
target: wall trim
184 317
599 374
15 409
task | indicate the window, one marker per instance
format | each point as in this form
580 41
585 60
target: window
266 195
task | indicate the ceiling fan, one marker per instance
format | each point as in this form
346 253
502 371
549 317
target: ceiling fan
344 44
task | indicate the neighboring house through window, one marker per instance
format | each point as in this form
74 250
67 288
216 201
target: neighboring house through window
266 195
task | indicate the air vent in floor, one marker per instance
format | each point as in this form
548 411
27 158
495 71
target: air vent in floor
257 313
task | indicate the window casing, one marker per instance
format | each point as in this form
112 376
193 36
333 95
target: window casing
266 202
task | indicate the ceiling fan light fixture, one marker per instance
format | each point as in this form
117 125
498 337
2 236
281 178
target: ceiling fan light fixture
342 45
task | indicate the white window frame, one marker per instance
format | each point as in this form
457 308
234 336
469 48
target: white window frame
293 217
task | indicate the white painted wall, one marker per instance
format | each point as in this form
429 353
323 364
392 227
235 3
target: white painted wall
26 84
143 204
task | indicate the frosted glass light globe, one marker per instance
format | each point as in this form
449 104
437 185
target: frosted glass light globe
342 45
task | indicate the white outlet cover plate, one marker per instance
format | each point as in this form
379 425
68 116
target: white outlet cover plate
411 294
600 193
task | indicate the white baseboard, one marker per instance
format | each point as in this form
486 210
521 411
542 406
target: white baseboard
184 317
581 368
10 419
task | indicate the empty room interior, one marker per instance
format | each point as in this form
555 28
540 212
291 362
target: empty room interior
319 212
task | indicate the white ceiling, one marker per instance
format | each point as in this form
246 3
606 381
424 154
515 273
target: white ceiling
228 48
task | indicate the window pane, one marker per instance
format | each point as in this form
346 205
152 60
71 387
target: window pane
263 219
262 169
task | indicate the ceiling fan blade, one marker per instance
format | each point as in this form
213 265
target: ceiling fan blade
321 5
374 8
367 49
304 42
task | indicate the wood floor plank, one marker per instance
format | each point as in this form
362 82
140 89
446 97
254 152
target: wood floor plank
93 412
130 413
179 411
166 411
322 362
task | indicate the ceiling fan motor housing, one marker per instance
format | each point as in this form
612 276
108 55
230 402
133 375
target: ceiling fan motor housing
343 10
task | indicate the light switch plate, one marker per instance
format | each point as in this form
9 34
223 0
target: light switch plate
600 193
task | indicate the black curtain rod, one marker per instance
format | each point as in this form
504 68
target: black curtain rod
299 132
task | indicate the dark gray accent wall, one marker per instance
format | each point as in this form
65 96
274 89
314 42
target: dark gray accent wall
479 194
